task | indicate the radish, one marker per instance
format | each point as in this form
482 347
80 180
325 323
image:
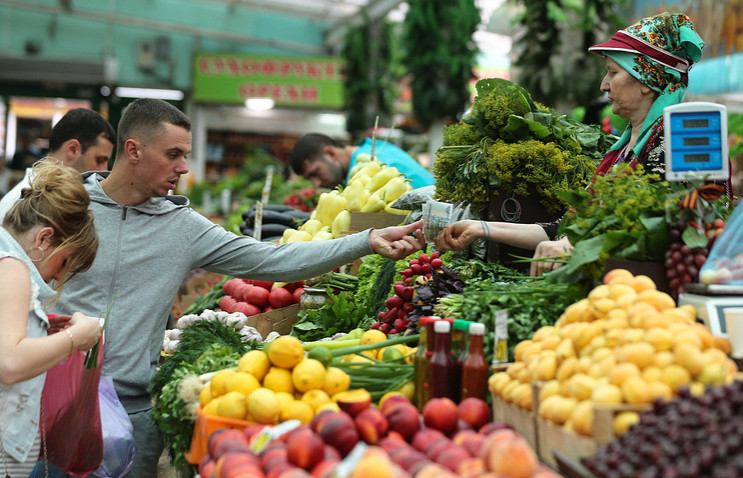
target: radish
279 298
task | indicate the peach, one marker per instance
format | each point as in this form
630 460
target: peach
461 436
330 453
374 464
425 436
325 468
274 452
280 469
410 459
340 433
320 418
452 457
473 444
305 448
435 447
206 466
441 414
294 473
392 400
252 431
390 443
491 427
474 411
404 419
353 401
470 467
224 440
434 470
233 464
507 453
371 425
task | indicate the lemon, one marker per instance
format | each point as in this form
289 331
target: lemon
264 406
315 398
308 374
242 382
205 396
336 380
372 336
284 398
390 353
278 380
332 406
408 390
254 362
285 352
232 405
211 407
322 354
297 410
219 381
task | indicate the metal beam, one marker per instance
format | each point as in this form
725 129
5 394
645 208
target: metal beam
166 27
375 10
306 10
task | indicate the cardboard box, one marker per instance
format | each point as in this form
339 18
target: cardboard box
361 221
278 320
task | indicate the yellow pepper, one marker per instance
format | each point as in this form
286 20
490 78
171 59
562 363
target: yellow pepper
299 236
341 223
382 177
375 203
328 206
371 168
286 235
323 236
357 197
391 210
311 226
395 188
362 179
362 159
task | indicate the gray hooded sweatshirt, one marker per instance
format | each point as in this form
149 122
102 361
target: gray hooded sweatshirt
146 251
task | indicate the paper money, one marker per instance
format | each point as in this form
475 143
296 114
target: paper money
436 216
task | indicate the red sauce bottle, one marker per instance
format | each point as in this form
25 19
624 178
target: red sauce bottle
441 363
475 368
422 355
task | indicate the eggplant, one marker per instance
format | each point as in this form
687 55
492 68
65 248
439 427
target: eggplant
283 208
270 217
301 215
267 230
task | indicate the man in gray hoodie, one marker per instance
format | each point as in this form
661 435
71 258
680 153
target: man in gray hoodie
149 241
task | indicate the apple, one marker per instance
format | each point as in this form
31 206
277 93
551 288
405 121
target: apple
442 414
475 412
371 425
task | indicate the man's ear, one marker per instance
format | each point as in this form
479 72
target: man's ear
131 150
72 151
330 154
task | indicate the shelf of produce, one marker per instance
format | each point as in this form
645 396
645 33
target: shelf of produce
572 446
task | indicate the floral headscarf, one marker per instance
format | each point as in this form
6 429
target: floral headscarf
658 51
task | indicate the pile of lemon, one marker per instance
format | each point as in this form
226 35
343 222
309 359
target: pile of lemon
395 352
626 343
274 385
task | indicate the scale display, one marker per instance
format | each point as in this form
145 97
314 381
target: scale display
696 141
710 309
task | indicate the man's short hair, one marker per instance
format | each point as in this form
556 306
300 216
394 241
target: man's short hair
81 124
146 116
309 148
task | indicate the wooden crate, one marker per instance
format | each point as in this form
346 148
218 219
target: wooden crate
361 221
278 320
522 420
556 438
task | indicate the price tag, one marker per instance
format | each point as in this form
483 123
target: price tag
501 337
349 463
268 434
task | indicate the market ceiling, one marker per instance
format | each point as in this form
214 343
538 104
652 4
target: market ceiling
334 16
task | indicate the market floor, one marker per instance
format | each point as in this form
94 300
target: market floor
164 468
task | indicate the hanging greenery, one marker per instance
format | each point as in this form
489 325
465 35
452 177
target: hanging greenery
372 73
552 60
439 53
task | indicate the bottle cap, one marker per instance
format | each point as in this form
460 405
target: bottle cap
441 326
477 328
461 325
428 319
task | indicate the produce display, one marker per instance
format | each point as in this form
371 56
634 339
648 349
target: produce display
253 297
625 343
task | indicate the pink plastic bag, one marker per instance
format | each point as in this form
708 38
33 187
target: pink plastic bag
71 415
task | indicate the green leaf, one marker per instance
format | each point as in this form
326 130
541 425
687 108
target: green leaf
306 326
555 13
693 237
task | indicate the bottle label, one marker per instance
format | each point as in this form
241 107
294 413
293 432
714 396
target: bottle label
501 337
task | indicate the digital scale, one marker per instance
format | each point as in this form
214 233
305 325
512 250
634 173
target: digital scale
696 141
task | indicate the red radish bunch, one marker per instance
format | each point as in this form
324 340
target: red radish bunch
253 297
395 320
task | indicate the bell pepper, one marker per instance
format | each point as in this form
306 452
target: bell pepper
341 223
382 177
286 235
328 206
323 235
311 226
361 160
357 197
370 169
391 210
362 179
395 188
375 203
299 236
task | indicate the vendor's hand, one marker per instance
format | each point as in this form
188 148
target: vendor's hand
85 331
549 249
459 235
396 242
57 323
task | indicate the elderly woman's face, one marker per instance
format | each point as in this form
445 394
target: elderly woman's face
626 93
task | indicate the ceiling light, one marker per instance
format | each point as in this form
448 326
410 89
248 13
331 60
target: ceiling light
259 104
126 92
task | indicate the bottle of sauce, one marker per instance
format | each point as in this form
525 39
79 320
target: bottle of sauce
475 368
422 355
459 331
441 363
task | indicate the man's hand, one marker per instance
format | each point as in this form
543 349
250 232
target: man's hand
459 235
395 242
57 323
547 249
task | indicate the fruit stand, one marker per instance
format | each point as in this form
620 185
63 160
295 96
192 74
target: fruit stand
337 375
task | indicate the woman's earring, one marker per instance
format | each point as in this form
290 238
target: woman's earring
41 254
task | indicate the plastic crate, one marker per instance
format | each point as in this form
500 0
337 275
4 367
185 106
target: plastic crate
205 426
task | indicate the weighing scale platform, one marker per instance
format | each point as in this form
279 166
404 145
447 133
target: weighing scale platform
710 301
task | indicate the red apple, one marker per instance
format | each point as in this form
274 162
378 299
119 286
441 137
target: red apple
475 412
441 414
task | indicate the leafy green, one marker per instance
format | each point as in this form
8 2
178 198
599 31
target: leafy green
342 315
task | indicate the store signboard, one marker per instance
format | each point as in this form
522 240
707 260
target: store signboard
231 78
